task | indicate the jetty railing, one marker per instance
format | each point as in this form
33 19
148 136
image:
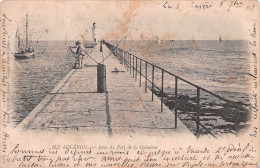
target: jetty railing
131 61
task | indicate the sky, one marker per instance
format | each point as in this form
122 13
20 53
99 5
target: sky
133 20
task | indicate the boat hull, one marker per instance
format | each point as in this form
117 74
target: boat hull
90 44
25 55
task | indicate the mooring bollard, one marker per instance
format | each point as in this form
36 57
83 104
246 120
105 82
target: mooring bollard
101 50
101 78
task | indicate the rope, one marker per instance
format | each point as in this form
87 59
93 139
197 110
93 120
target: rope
69 52
111 51
91 57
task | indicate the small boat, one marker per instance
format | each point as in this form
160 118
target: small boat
90 44
66 41
158 41
24 55
27 52
220 39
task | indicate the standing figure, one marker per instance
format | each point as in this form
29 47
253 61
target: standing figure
80 49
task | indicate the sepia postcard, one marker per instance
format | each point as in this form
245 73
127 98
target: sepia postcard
128 83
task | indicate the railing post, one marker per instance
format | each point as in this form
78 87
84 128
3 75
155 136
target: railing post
198 112
120 57
113 50
176 100
117 54
145 77
123 52
126 61
133 65
127 58
162 91
140 73
130 64
135 68
152 82
237 121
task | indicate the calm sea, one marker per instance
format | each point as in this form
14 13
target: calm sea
34 78
214 65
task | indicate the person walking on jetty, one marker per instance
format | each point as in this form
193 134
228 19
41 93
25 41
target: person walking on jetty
80 49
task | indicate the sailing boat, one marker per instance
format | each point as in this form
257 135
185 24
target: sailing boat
27 51
158 41
220 39
66 40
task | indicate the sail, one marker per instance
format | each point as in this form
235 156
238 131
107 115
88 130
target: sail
24 52
31 39
17 35
158 40
26 30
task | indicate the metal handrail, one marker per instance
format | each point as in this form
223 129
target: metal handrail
131 61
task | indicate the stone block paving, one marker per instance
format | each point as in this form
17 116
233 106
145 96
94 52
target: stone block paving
75 106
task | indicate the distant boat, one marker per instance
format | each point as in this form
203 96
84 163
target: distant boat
158 41
23 52
90 44
220 39
24 55
66 40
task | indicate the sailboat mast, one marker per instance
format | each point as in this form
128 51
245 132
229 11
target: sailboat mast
31 39
18 38
27 30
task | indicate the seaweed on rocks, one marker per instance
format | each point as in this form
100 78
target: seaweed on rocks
209 110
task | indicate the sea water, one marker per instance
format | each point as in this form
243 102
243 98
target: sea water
210 64
34 78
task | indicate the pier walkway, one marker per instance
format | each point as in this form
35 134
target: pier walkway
74 105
